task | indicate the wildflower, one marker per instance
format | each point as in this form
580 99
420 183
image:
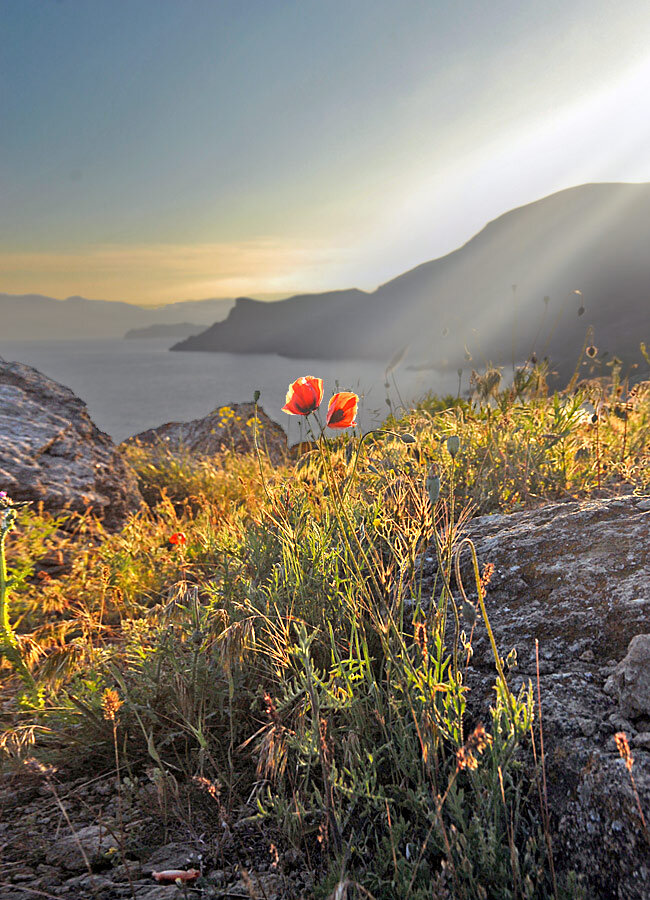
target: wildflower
304 396
178 538
111 704
342 410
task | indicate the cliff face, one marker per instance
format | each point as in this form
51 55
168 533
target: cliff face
488 297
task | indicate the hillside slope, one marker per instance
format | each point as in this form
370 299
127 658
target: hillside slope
487 296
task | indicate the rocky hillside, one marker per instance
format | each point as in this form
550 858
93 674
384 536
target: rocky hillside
511 290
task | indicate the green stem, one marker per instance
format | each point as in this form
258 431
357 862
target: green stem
356 456
9 646
481 600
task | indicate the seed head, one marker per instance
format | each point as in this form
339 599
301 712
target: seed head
421 639
623 748
486 577
465 759
271 709
111 704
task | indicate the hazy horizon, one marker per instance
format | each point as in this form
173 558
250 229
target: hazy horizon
272 297
160 150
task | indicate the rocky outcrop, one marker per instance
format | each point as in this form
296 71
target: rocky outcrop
52 453
229 427
576 577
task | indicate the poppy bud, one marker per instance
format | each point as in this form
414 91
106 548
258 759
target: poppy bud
453 445
407 438
433 488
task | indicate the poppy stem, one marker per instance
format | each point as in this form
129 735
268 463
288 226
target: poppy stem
342 516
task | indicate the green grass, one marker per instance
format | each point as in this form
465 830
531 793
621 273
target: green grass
287 654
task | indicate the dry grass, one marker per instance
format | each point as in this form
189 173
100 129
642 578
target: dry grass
286 653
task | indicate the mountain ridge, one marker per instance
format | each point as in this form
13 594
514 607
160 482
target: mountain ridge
485 297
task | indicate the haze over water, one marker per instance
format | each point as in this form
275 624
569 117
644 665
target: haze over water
133 385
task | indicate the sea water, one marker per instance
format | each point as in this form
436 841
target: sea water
133 385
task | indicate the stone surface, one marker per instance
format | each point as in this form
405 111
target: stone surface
51 452
172 856
576 577
92 843
228 427
630 681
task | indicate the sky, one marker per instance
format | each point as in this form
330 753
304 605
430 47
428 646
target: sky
161 150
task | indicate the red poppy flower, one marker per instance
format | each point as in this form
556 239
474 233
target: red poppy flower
342 410
304 396
178 538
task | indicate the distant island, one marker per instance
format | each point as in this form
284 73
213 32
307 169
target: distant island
173 330
540 279
35 317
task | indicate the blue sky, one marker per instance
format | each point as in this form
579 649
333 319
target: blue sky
155 150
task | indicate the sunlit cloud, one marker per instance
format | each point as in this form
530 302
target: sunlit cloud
151 274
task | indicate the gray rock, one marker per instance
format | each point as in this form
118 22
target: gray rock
576 577
92 843
630 682
52 453
172 856
228 427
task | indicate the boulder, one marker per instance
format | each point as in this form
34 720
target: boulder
90 846
229 427
52 453
630 681
576 577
